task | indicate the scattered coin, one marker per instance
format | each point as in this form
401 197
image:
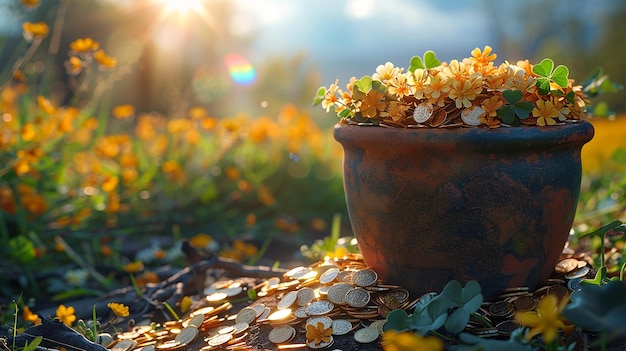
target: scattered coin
471 116
567 265
318 308
501 309
220 339
337 293
281 334
364 277
423 112
195 321
507 327
366 335
329 276
327 322
578 273
358 297
341 326
187 335
525 303
124 345
287 300
304 296
246 315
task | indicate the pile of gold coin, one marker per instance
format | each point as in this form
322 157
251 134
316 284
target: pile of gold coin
334 297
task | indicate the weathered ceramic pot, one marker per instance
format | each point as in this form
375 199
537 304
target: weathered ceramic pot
492 205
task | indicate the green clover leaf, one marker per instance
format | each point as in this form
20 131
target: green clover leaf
429 61
515 107
319 96
548 74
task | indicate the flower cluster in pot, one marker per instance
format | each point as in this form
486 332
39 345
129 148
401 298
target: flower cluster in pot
473 92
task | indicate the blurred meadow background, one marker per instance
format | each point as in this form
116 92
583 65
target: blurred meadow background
130 125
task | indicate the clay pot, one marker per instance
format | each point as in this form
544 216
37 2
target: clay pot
491 205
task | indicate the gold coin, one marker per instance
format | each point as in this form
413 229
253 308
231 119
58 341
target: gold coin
169 345
287 300
281 334
525 303
578 272
423 112
337 293
187 335
507 327
378 325
124 345
345 276
318 308
558 290
300 312
204 310
258 308
195 321
304 296
364 277
322 345
329 276
358 297
366 335
220 339
341 326
240 328
567 265
246 315
231 291
501 309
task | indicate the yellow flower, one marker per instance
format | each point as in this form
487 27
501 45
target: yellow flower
386 72
198 112
32 31
185 304
545 320
407 341
119 309
104 60
66 315
29 316
30 4
463 91
330 96
84 45
123 111
545 113
133 267
437 90
396 110
201 241
45 105
491 105
318 334
74 65
372 103
483 57
399 86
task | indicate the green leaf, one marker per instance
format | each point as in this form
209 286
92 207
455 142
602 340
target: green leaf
396 320
457 321
318 100
506 114
21 249
544 68
559 76
619 156
598 279
570 97
415 63
543 85
33 344
430 59
345 113
379 86
252 294
364 84
321 91
601 109
512 96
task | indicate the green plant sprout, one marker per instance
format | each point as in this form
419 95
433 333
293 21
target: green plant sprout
549 74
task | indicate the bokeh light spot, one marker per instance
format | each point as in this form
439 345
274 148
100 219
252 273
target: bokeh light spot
240 69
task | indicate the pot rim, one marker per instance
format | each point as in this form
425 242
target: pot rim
567 134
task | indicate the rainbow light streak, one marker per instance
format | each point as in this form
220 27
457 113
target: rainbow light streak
239 69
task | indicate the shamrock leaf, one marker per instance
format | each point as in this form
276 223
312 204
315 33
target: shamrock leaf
599 307
396 320
548 74
430 313
467 300
477 343
430 61
319 96
515 107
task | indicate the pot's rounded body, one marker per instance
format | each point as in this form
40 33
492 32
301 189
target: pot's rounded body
491 205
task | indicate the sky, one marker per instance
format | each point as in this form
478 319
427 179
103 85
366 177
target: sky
351 37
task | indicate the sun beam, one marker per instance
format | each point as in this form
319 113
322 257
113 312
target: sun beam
182 6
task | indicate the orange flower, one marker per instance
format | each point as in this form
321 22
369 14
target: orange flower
483 57
104 60
372 103
197 112
29 4
106 250
545 113
29 316
74 65
318 334
133 267
118 309
84 45
123 111
45 105
407 341
66 315
35 31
